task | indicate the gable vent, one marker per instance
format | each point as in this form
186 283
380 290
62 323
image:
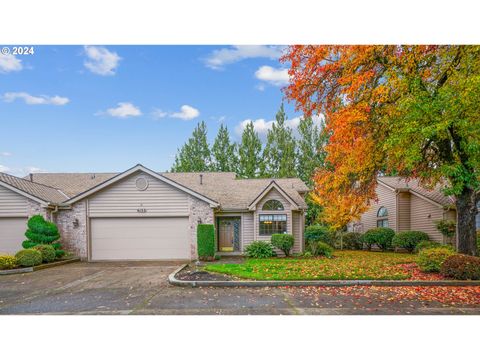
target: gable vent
141 183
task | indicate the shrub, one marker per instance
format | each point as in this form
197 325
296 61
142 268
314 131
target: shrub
306 255
315 233
382 237
430 260
283 242
42 232
206 241
7 262
29 257
446 227
461 267
260 250
351 240
409 240
48 252
324 249
426 244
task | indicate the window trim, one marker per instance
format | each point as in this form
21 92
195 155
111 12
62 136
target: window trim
274 227
384 215
382 219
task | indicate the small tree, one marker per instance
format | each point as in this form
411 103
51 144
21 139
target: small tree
42 232
206 241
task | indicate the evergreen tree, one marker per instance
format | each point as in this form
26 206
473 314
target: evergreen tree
279 152
311 149
249 153
195 154
223 151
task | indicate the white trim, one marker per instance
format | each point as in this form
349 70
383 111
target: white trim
133 170
273 184
24 193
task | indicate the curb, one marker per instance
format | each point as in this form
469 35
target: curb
38 267
331 283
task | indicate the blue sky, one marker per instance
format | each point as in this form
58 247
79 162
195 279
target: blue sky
107 108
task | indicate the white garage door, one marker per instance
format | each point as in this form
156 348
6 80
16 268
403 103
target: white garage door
140 238
12 234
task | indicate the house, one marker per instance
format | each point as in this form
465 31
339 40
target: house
140 214
406 205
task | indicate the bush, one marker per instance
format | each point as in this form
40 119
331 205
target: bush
430 260
260 250
42 232
461 267
382 237
48 252
409 240
7 262
206 241
315 233
29 257
283 242
428 244
446 227
351 240
306 255
324 249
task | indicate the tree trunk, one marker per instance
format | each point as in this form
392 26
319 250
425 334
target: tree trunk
466 212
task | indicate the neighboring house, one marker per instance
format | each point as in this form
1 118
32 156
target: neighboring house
142 214
406 205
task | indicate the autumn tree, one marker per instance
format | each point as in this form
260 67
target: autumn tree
412 110
223 151
249 151
195 154
279 152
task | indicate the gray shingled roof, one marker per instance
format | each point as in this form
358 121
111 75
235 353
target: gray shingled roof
414 186
43 192
223 188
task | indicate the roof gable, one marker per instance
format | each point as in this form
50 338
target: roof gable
264 192
140 168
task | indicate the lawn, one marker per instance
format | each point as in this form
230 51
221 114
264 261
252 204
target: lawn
346 265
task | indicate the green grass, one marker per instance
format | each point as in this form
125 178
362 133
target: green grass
346 265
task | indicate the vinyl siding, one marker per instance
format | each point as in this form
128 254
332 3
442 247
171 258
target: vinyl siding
386 198
403 211
297 219
423 217
12 204
124 199
247 229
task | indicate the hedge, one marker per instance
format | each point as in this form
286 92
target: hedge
29 257
382 237
409 240
206 241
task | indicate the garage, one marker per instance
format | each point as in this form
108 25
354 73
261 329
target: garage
12 234
159 238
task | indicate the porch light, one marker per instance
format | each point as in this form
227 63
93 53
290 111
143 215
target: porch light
199 220
75 223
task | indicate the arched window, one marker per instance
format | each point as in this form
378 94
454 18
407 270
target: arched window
272 205
382 217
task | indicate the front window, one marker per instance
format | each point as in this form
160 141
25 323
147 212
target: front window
272 224
382 217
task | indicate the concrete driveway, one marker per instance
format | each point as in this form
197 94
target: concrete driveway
142 288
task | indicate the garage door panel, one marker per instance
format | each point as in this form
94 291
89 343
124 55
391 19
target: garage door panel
12 234
140 239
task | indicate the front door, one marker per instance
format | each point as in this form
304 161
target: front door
228 234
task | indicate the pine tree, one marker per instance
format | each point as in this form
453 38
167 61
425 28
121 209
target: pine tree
310 150
249 153
279 152
223 151
195 154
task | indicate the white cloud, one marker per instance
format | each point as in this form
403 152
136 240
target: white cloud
101 61
123 110
21 171
5 154
35 100
10 63
219 58
262 126
186 112
277 77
